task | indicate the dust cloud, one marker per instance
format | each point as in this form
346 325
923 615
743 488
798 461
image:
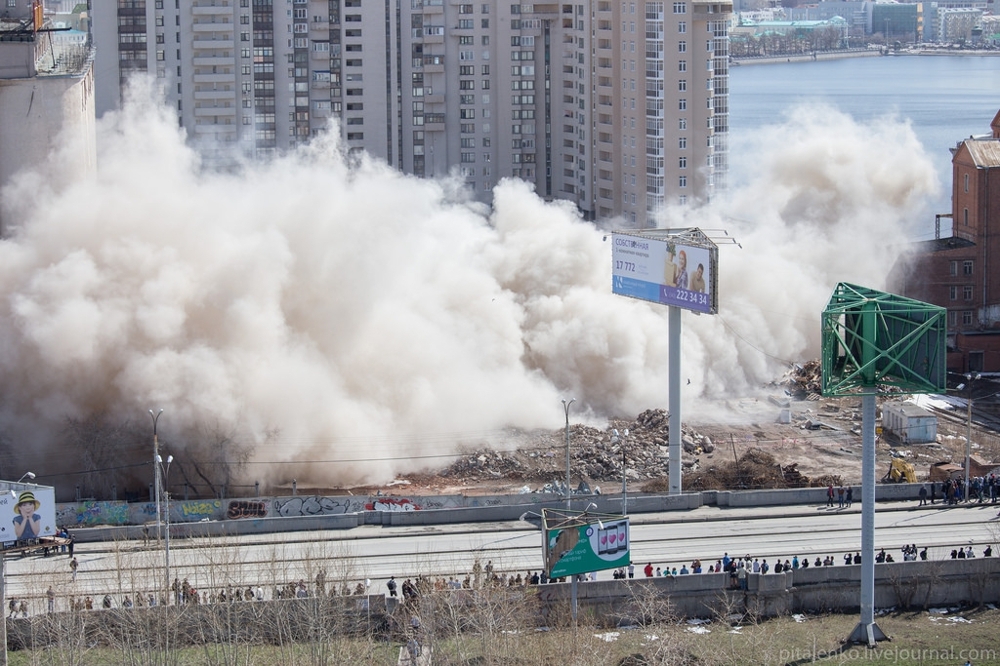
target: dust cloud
361 322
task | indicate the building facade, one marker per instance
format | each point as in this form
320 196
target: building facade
957 272
46 94
619 106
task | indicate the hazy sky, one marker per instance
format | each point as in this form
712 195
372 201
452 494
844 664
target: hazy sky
360 314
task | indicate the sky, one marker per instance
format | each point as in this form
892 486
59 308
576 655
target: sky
326 311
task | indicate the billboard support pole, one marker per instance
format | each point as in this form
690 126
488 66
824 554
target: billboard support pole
3 605
867 631
674 397
573 601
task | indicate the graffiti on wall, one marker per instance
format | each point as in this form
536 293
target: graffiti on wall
392 504
316 505
199 509
246 509
86 514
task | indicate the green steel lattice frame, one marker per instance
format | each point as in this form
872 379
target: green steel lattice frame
873 339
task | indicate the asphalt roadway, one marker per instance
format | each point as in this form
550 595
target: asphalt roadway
369 555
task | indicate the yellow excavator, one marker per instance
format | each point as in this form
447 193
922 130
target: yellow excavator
900 471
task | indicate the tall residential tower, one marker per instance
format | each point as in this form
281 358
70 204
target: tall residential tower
618 106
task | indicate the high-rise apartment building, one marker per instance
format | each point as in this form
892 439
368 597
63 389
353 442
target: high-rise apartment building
46 94
619 106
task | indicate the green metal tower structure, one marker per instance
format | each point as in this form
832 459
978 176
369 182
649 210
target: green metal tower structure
873 340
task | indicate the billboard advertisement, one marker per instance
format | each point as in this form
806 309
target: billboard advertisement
665 270
586 545
27 511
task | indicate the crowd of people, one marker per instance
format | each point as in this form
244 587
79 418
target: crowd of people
982 489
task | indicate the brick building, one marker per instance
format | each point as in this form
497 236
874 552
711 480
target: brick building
962 272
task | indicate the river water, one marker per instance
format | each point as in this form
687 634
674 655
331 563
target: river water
946 99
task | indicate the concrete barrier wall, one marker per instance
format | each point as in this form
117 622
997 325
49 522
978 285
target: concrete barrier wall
415 510
884 492
836 588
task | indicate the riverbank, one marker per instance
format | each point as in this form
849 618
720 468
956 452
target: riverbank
855 53
806 57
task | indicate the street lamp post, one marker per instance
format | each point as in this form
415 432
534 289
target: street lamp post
970 377
616 439
165 472
568 491
156 468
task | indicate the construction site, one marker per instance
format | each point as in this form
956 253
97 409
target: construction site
792 437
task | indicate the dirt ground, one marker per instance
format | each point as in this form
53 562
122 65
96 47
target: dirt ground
789 436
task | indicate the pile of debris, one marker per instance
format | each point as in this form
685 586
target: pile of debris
803 381
754 470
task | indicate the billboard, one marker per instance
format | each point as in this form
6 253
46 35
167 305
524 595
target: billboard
27 511
585 543
670 270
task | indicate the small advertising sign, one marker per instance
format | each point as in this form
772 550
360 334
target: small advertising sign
586 544
27 511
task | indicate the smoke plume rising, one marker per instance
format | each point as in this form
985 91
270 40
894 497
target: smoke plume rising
366 321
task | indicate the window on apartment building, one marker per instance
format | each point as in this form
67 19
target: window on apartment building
965 179
682 162
682 181
953 293
682 105
682 85
680 8
465 9
466 40
953 268
485 71
967 292
682 66
967 318
952 318
682 27
682 123
245 19
967 267
682 47
965 216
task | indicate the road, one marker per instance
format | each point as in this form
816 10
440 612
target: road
375 553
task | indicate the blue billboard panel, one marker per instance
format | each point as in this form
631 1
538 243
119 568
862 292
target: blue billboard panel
664 271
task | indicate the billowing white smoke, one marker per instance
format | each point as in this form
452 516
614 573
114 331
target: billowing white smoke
333 313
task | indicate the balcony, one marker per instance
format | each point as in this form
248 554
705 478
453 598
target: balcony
213 61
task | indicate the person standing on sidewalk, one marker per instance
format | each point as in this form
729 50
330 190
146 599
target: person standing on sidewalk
73 566
829 494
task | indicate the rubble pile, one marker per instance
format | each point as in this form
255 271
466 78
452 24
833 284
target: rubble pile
754 470
803 381
597 456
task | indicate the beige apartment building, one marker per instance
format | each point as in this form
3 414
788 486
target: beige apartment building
619 106
46 96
